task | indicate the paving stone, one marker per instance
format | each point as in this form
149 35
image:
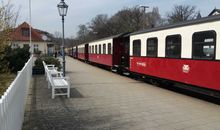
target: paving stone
102 100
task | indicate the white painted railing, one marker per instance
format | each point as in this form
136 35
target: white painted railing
12 103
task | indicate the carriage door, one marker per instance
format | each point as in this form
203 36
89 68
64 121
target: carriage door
125 54
86 52
120 52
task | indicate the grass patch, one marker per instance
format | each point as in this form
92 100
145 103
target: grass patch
5 81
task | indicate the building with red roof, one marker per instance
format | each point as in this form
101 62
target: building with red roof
41 41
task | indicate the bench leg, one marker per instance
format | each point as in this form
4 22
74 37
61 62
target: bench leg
53 93
46 76
68 92
48 84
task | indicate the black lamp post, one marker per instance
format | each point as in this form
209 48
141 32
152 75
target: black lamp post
62 8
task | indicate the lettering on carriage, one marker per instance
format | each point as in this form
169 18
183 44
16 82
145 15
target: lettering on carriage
143 64
186 68
131 59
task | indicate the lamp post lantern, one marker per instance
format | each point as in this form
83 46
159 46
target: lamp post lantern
62 8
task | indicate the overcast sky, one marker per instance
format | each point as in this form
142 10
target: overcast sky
45 14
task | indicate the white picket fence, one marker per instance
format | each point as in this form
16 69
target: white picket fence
12 103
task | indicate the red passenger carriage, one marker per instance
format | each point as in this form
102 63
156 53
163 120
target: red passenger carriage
186 53
107 52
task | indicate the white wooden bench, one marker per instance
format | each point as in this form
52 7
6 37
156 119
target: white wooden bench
56 80
60 83
52 74
48 68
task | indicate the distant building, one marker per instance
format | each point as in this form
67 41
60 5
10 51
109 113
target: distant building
214 12
47 37
41 40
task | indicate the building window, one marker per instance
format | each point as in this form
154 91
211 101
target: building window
109 48
203 45
152 46
92 49
96 51
79 50
173 46
137 48
36 48
14 45
25 32
104 48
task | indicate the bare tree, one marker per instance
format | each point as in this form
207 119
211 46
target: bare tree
125 20
8 18
182 13
57 34
57 37
153 18
99 26
83 32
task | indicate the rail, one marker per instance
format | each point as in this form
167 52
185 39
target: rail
12 103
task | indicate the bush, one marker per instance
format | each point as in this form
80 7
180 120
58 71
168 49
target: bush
15 59
48 60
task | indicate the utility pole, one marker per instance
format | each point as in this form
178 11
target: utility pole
30 44
144 16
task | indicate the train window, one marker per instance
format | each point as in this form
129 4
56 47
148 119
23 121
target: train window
109 48
137 48
92 51
203 45
152 45
173 46
96 51
100 47
104 48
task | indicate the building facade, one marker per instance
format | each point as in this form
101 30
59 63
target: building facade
41 40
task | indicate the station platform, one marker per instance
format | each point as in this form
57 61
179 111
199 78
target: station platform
102 100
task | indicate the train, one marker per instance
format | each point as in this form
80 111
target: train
186 53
